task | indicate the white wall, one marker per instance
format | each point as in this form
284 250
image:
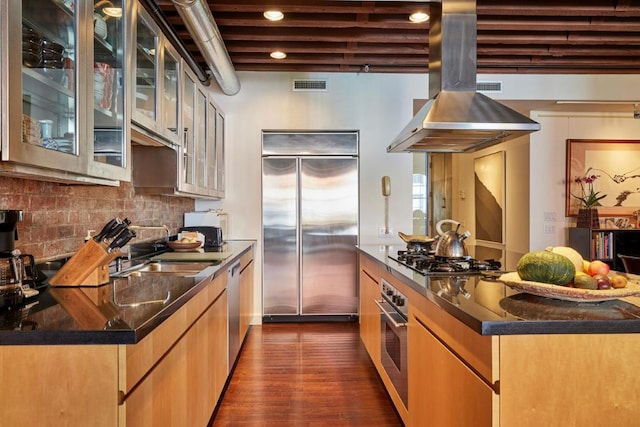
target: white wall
379 105
548 165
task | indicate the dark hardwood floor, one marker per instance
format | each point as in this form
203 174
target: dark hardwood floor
305 375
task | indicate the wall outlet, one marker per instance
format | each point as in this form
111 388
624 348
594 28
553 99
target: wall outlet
549 229
385 235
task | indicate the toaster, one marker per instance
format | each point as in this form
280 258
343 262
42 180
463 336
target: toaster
212 235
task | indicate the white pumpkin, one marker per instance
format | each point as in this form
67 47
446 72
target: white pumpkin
570 253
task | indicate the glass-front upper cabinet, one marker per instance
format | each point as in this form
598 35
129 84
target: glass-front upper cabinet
157 81
170 93
147 36
215 150
110 140
50 87
210 147
220 154
200 143
187 169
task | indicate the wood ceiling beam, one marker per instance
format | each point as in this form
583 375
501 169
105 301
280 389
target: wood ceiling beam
321 48
541 36
244 6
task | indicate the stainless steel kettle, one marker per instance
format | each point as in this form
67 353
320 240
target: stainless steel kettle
450 243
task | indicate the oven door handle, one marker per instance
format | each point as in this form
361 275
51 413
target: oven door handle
388 316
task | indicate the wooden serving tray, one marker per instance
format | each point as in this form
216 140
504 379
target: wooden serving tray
566 293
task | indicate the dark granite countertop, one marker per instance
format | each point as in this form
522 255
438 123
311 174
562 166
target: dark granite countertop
492 308
122 311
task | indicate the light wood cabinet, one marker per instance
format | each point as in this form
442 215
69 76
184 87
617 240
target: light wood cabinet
184 386
173 376
73 386
369 311
458 377
370 324
569 380
443 390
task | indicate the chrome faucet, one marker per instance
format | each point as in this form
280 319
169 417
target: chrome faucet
151 227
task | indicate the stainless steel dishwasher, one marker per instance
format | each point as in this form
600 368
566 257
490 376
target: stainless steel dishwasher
233 295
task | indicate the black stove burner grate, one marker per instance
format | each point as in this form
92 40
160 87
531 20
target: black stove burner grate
431 264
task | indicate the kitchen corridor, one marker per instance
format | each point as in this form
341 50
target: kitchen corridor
305 375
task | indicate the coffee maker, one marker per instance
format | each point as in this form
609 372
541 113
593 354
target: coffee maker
11 261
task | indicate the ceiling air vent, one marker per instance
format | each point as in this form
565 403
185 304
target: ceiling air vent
490 87
309 85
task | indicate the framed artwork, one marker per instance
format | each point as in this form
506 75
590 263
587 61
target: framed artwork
489 197
607 170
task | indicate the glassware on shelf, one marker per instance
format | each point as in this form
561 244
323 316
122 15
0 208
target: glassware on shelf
108 79
46 134
48 73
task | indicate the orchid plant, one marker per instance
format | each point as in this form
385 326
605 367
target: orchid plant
590 198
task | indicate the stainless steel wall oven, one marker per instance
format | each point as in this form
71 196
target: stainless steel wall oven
393 338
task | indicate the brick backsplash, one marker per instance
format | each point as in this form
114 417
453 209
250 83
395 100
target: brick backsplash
57 216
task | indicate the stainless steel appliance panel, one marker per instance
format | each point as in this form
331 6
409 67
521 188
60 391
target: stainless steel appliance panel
329 229
393 337
280 236
233 307
309 143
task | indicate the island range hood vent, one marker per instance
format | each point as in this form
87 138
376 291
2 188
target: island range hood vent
457 118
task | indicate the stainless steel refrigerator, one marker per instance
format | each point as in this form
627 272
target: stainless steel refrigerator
310 225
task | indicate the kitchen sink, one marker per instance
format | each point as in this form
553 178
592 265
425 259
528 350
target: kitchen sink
166 268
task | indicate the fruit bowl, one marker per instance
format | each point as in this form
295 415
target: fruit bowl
566 293
184 246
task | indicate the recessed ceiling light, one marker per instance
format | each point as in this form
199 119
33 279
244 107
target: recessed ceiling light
278 55
115 12
419 17
273 15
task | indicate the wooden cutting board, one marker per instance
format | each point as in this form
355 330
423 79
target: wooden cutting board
192 256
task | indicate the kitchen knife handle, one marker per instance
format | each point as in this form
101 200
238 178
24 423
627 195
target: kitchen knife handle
122 239
116 230
107 227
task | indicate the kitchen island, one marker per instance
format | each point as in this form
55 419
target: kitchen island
141 350
480 353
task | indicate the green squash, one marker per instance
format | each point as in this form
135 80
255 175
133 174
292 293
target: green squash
546 267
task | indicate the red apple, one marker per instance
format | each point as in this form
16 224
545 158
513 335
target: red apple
598 267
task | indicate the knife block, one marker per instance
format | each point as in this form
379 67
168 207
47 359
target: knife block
88 267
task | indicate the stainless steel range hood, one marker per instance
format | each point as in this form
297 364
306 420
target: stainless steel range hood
457 118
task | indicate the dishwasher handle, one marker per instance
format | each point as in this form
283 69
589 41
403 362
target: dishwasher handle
234 269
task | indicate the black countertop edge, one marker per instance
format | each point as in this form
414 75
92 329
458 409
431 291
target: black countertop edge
485 322
561 327
68 337
124 336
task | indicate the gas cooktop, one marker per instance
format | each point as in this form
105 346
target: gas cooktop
429 264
